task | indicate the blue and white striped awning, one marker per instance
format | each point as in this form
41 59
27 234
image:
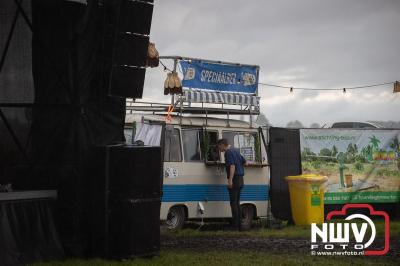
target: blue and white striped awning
199 96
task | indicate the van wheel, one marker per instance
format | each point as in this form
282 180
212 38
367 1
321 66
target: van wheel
175 218
247 216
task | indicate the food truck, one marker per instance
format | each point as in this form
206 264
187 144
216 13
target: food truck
194 181
194 175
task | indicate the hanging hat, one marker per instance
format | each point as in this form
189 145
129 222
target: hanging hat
396 87
153 58
172 84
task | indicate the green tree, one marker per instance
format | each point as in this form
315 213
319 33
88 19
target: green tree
262 120
355 148
325 152
374 143
352 149
307 154
294 124
351 152
395 145
367 152
334 151
315 125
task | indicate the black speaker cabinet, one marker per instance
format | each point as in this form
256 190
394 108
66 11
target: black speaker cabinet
126 187
129 22
126 228
127 81
127 171
131 49
134 228
135 16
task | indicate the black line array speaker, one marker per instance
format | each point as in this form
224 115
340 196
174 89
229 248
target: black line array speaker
126 188
136 16
131 49
124 78
130 21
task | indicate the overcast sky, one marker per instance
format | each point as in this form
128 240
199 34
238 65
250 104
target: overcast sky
313 43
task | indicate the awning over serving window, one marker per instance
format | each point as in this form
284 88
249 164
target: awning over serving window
197 96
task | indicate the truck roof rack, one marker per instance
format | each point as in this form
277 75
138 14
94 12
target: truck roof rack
201 102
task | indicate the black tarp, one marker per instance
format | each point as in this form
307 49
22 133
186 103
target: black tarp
284 158
62 66
28 232
70 69
16 83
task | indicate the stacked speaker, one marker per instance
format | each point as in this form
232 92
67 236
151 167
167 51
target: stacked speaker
125 192
86 59
125 181
128 32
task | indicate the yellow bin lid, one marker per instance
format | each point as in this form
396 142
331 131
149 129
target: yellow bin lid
307 178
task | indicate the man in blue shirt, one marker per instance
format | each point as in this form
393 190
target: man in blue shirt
234 163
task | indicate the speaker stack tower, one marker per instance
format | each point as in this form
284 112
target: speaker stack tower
126 181
129 23
86 60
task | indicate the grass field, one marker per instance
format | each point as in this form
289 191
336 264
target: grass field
285 232
228 257
176 257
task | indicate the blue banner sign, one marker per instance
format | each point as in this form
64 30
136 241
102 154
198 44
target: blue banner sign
219 77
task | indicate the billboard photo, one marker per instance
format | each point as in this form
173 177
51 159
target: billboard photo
362 166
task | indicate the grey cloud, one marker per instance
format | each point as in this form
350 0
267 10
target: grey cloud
309 43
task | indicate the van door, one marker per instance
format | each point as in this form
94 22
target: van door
204 181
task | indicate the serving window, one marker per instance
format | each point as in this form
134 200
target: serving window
248 144
199 145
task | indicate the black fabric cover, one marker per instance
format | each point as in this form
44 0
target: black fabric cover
284 156
16 85
64 68
68 70
28 232
71 73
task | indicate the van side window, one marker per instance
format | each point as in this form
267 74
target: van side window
248 144
172 146
209 146
199 144
191 144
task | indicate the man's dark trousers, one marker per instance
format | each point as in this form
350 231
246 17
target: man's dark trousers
234 198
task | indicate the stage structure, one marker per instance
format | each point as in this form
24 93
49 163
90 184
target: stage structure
65 70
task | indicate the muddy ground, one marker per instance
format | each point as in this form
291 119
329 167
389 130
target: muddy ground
259 244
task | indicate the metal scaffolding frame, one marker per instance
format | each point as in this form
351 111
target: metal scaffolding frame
19 11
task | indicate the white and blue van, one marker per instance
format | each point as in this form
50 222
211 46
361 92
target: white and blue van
195 183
